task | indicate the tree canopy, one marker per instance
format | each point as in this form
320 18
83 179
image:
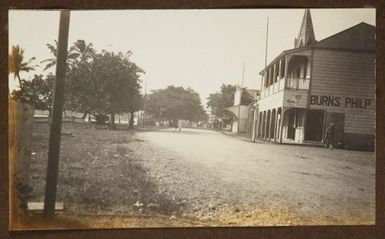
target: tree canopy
113 86
97 83
38 92
173 103
104 83
221 100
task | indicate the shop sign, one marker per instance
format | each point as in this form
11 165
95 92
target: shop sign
294 100
339 101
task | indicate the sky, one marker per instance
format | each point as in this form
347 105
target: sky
201 49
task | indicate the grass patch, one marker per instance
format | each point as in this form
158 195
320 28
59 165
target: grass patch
98 173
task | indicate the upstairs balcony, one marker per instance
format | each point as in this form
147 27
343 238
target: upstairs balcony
289 72
286 83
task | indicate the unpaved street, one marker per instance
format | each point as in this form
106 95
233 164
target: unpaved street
215 176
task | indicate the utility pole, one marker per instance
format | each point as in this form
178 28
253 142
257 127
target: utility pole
144 103
240 97
55 130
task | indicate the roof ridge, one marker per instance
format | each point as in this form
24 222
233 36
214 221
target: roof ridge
343 31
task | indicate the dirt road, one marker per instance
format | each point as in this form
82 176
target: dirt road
215 176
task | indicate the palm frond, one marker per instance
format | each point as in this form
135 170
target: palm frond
51 59
73 55
53 48
49 65
27 68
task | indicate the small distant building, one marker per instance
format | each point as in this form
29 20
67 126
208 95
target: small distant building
316 83
243 113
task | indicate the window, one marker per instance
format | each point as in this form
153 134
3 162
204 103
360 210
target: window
282 68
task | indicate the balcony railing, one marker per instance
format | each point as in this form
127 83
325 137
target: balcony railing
297 83
289 83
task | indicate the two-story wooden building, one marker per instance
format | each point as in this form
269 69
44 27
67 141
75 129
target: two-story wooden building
306 88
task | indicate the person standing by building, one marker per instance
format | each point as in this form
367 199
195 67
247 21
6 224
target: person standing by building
329 136
180 125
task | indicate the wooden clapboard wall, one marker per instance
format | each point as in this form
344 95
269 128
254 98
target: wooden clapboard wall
346 73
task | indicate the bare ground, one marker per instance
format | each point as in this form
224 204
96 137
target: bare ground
153 178
225 179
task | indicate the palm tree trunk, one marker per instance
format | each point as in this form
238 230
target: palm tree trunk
18 78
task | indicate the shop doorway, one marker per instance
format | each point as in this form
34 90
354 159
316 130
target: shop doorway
339 123
290 124
314 125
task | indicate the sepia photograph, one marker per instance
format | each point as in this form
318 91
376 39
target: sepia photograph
191 118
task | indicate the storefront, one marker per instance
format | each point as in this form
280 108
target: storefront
305 89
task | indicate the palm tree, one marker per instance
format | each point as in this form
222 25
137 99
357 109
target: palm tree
53 50
79 53
80 49
16 63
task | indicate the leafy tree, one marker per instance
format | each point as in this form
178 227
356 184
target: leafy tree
219 101
38 92
97 83
79 58
175 103
135 103
110 86
16 63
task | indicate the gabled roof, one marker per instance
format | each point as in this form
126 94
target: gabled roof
358 37
306 34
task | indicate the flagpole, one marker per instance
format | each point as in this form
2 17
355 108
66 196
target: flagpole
266 45
243 74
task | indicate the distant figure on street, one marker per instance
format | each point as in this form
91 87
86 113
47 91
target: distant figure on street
180 125
329 136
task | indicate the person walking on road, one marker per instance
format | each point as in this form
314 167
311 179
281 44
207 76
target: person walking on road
329 136
180 125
